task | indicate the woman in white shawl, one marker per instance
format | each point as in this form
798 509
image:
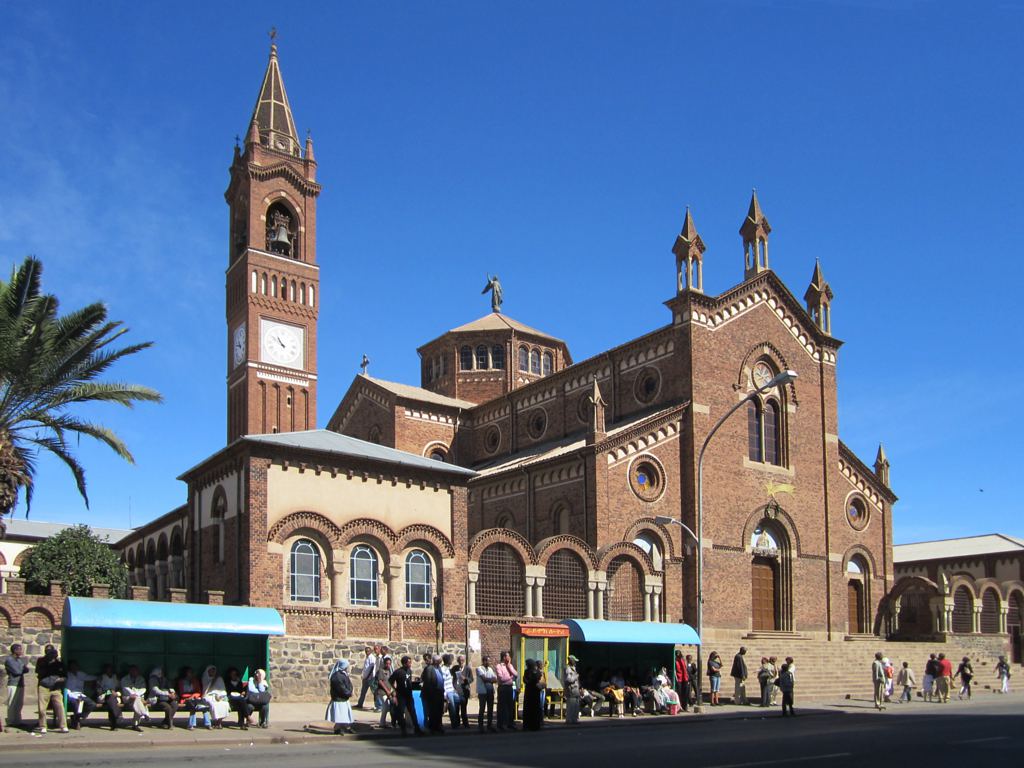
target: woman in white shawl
339 711
216 695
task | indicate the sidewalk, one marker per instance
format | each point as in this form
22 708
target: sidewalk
304 723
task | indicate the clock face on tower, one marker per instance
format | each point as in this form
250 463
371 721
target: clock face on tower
238 345
282 344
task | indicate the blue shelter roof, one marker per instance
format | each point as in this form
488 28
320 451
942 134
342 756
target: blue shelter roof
594 631
175 617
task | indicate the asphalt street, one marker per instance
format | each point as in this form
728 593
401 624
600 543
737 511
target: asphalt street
989 733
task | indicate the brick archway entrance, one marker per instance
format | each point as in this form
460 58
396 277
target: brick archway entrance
855 604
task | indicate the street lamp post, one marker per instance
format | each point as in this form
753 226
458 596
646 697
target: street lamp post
783 378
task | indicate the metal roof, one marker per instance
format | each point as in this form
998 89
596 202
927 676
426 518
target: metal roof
966 546
97 613
325 441
418 393
599 631
37 530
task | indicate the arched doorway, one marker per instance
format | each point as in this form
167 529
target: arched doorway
990 612
857 595
916 618
624 596
770 593
963 611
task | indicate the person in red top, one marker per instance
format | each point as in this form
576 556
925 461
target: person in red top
945 677
682 680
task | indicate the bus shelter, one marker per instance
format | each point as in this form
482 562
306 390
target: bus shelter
631 648
167 635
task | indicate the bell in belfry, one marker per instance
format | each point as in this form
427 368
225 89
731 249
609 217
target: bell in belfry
280 240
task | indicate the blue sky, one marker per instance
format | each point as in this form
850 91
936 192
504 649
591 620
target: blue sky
557 144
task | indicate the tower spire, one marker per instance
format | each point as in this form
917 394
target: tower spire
689 250
755 230
819 300
882 466
272 114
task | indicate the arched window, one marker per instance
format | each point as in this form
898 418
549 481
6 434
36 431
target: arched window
624 596
291 294
439 454
375 434
499 589
363 568
466 358
772 452
418 591
524 359
302 293
305 572
963 610
549 363
481 357
649 544
560 520
263 284
217 513
273 286
754 422
254 279
565 587
497 356
312 297
535 361
989 612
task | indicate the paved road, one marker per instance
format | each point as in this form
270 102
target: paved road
990 733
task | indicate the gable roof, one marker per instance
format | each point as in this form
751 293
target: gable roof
965 546
418 393
325 441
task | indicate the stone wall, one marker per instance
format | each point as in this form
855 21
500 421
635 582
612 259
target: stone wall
300 666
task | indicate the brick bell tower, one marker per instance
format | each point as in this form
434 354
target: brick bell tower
273 281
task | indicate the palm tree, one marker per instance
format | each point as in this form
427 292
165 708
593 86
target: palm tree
48 365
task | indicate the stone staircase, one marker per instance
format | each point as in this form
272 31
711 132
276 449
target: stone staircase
842 668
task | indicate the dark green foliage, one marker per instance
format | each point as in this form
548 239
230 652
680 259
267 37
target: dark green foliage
77 557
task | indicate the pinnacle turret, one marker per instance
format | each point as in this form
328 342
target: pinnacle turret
819 300
689 250
754 230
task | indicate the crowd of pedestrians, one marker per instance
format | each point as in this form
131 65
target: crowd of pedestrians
72 694
937 684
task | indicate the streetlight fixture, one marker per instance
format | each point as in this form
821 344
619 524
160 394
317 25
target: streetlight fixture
783 378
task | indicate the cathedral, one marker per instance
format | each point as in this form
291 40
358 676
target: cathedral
513 484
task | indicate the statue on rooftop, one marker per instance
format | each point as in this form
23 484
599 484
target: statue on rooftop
494 286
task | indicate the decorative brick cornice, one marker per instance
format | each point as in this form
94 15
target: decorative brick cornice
489 536
283 171
547 547
646 435
605 555
863 479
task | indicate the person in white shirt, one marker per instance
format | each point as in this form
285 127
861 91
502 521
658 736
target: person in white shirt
486 679
79 703
108 694
367 675
451 698
162 696
133 694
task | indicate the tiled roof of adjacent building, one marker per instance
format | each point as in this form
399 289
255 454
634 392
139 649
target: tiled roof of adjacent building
325 441
37 530
966 546
496 321
418 393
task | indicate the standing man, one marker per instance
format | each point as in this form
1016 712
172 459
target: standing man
691 671
367 675
401 682
507 675
16 665
385 698
463 674
739 676
944 678
451 698
571 689
50 679
879 681
432 692
931 668
486 679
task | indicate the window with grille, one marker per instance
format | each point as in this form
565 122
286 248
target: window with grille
565 587
624 597
772 454
305 572
363 566
989 612
499 589
417 580
497 356
466 358
481 358
963 610
754 431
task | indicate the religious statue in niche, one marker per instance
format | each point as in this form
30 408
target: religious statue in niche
494 286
